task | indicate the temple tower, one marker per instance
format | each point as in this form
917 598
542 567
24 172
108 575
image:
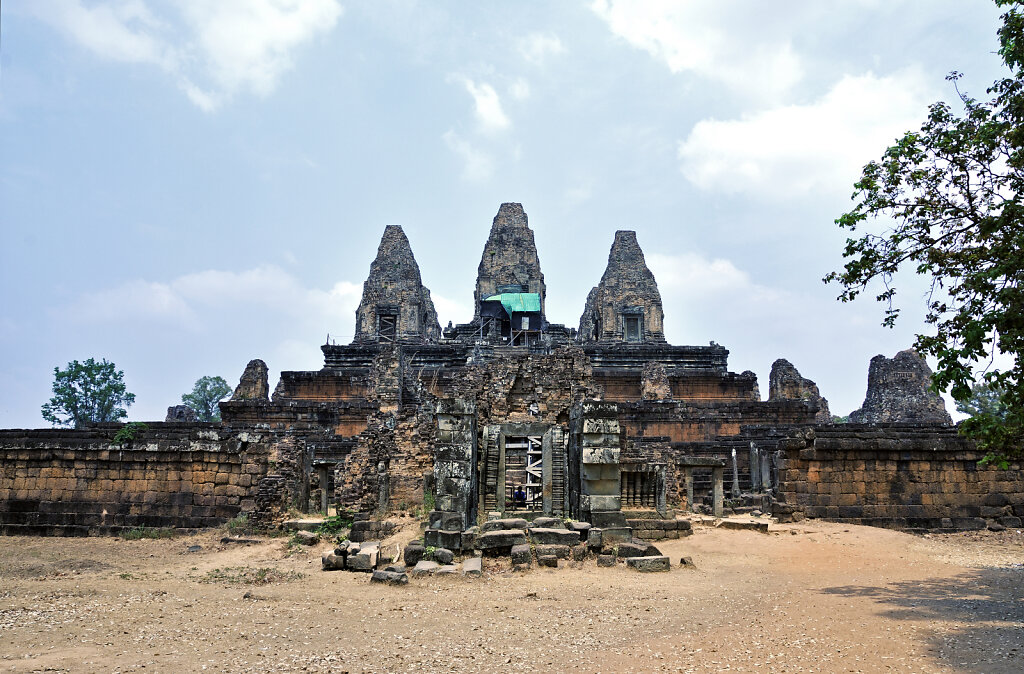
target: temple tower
626 305
395 306
509 264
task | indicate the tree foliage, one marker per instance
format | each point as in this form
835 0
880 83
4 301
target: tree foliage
985 400
207 392
952 191
89 392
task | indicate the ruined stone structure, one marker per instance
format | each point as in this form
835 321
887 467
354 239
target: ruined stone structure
785 383
395 306
626 305
514 415
898 392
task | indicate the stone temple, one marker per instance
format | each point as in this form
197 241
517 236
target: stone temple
511 415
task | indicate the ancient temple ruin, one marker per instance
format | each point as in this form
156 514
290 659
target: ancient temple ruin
511 415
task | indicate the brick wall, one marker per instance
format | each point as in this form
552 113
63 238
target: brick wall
899 476
77 483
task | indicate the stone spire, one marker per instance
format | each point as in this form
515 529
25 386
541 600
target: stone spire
786 383
898 393
509 258
395 304
626 304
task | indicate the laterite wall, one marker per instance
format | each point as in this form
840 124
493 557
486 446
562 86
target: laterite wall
899 476
77 483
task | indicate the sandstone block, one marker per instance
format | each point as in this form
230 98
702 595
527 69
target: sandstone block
522 554
390 578
559 551
554 536
648 564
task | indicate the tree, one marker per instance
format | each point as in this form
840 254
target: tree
205 395
952 190
985 400
89 392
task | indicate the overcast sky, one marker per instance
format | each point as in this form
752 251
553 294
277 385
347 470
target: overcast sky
188 185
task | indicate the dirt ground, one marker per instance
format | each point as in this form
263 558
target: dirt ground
808 597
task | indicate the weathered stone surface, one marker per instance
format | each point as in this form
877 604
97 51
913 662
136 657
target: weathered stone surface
505 525
395 305
579 552
424 568
554 536
522 554
606 560
548 560
898 392
447 570
473 567
627 292
687 563
582 528
253 385
306 524
637 549
654 383
180 414
648 564
509 258
389 578
786 383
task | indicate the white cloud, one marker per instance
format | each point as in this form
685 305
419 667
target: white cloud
486 104
478 165
196 302
451 310
708 38
235 45
520 89
536 47
690 277
796 149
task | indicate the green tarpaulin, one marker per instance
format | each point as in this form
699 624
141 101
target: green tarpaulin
520 303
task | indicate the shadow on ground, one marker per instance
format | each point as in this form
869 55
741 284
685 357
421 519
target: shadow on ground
973 622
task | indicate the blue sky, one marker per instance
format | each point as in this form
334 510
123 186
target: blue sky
188 185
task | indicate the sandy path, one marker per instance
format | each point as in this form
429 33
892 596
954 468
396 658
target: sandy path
806 597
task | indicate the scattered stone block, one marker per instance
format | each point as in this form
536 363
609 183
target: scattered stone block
606 560
443 556
743 525
332 562
1010 521
307 538
546 536
473 567
595 539
579 552
390 577
522 554
413 553
447 570
995 526
547 523
583 528
687 563
555 550
307 524
547 560
363 560
648 564
500 542
615 535
632 549
424 568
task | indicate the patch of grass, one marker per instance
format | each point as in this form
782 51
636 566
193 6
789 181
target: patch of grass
125 576
239 525
244 575
335 523
139 533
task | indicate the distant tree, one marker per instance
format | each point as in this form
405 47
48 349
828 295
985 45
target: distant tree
89 392
986 400
836 419
207 392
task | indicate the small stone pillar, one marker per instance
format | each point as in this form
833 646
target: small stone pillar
598 434
718 490
688 477
735 475
325 501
